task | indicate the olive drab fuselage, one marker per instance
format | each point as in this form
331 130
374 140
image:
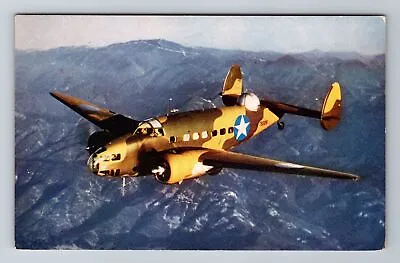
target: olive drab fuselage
216 128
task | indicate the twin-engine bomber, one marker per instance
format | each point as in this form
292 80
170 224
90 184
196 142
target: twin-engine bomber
186 145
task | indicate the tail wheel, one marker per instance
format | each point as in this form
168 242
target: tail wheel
281 125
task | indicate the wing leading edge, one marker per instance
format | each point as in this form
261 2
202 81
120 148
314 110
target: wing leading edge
104 118
243 161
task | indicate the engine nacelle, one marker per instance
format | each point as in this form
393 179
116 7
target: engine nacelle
177 167
250 101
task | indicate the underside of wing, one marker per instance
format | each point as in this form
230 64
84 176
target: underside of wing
242 161
104 118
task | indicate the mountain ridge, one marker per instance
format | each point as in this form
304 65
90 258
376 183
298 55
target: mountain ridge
168 43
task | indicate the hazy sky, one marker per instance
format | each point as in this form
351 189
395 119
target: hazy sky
364 34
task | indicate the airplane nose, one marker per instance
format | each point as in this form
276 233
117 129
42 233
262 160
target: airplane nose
91 164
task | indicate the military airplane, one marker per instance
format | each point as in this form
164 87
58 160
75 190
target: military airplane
186 145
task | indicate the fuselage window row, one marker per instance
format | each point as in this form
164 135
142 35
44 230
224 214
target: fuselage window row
204 135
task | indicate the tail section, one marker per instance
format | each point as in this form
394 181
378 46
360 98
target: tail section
232 88
329 115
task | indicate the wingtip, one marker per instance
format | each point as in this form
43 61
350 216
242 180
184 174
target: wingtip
356 178
64 98
53 93
59 96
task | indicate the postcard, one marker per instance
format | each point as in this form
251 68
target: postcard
200 132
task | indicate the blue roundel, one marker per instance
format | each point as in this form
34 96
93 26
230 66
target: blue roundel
241 127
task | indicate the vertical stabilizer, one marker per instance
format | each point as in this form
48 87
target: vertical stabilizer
232 88
330 113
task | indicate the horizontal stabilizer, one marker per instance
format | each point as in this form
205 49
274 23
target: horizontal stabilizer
329 115
280 108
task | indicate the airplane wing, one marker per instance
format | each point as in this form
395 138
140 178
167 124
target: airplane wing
104 118
243 161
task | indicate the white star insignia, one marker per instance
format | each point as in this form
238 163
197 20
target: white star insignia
242 128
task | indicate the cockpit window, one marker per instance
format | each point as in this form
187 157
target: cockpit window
150 127
143 131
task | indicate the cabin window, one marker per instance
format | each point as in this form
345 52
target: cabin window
116 157
214 133
112 172
186 137
230 130
172 139
204 134
222 131
117 172
196 136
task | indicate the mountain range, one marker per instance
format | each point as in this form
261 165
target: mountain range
59 204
